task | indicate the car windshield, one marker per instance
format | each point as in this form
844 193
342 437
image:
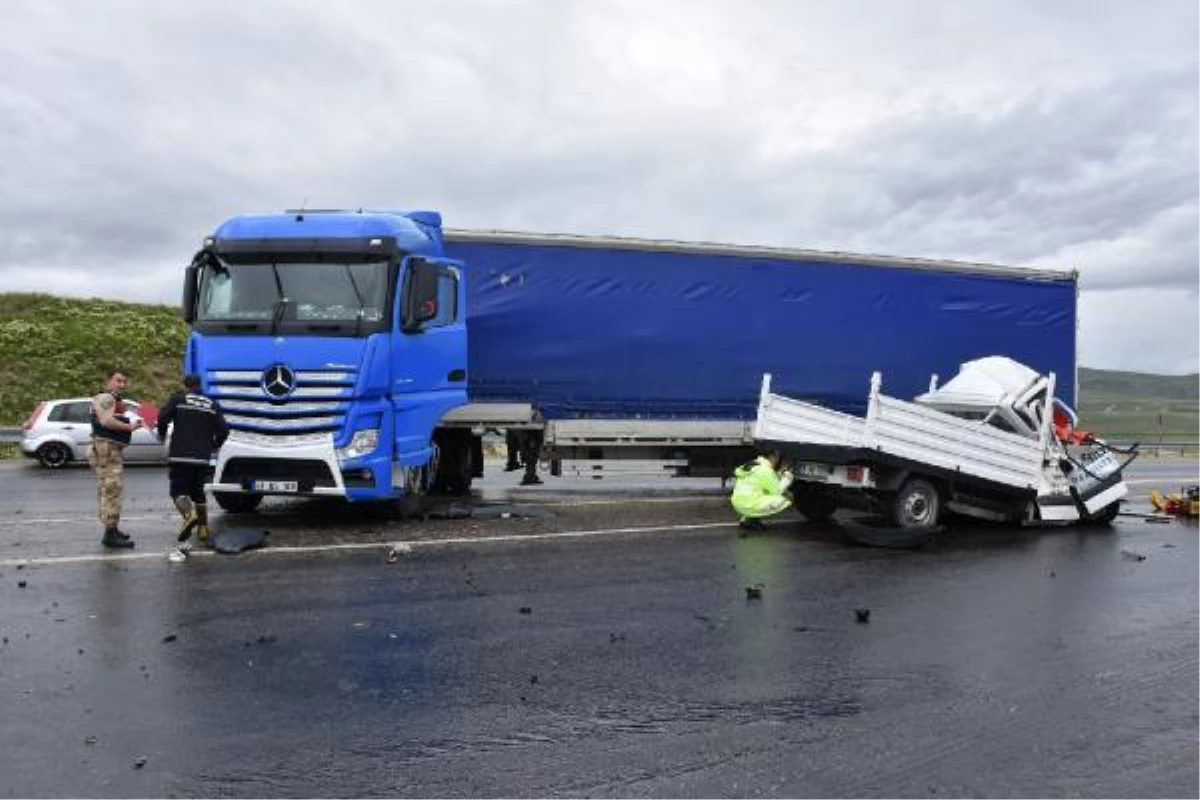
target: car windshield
285 294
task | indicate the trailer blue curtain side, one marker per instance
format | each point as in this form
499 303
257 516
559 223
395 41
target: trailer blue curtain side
600 332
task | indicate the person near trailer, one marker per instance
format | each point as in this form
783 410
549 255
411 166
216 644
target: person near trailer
760 490
199 430
531 440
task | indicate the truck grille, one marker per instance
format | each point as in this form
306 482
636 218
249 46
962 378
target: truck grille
318 403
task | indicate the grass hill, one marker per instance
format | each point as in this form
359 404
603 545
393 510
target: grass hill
1139 406
54 347
60 347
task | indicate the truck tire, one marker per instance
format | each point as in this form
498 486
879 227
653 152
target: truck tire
238 503
916 506
53 455
814 504
456 464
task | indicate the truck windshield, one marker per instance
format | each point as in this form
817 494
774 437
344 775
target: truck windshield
334 296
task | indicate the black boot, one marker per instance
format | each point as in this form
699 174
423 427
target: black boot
114 538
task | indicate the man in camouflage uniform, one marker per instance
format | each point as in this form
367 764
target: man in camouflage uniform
111 432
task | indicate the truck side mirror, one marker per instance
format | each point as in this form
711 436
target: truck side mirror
190 276
421 295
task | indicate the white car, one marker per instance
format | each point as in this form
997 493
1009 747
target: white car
59 432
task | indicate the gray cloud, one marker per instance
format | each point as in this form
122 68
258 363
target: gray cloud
1039 134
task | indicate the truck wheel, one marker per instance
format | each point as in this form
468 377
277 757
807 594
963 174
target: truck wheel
815 505
916 505
238 503
456 466
53 455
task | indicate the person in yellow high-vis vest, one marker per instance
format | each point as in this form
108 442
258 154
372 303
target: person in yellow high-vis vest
760 490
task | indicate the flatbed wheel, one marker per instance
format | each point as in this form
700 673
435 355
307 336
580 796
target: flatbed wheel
916 505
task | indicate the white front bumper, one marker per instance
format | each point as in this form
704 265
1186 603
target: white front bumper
308 449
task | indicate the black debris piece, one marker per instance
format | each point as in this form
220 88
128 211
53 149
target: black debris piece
234 539
1132 556
533 679
90 740
20 584
755 591
526 610
862 614
170 637
140 762
266 638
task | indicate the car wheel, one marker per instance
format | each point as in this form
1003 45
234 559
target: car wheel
238 503
916 505
54 455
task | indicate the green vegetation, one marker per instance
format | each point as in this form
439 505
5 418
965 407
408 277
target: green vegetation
61 347
1133 406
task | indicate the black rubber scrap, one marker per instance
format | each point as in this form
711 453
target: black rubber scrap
862 615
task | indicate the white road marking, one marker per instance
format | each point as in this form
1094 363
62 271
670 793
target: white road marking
90 519
383 546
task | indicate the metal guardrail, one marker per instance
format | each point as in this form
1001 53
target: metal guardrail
1156 448
10 434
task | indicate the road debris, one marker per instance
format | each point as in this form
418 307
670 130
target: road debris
170 637
862 615
526 610
755 591
396 550
1132 556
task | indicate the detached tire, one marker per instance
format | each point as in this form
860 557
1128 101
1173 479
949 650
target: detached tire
916 506
238 503
53 455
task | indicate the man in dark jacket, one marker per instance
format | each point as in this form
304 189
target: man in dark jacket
199 430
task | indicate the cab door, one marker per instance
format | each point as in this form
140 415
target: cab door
429 352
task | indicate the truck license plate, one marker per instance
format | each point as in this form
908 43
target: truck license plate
812 471
277 486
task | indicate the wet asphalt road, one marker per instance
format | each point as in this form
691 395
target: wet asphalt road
604 646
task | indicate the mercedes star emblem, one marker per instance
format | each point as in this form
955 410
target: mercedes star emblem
278 381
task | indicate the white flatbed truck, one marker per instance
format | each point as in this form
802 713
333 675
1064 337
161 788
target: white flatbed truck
983 445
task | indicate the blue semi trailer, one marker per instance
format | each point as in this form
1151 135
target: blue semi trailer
363 354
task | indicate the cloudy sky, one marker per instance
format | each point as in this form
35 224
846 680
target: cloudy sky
1053 134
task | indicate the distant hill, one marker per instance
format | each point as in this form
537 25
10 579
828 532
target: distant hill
61 347
1135 405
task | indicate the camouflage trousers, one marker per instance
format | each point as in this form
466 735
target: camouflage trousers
107 462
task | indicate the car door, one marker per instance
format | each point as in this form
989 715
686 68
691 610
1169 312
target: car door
70 420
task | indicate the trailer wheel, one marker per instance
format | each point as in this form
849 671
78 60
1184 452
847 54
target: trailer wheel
238 503
916 505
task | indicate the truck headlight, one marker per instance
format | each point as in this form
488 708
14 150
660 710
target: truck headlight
362 443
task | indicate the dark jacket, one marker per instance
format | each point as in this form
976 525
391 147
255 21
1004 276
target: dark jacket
199 427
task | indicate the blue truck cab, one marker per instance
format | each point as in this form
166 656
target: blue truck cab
333 342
